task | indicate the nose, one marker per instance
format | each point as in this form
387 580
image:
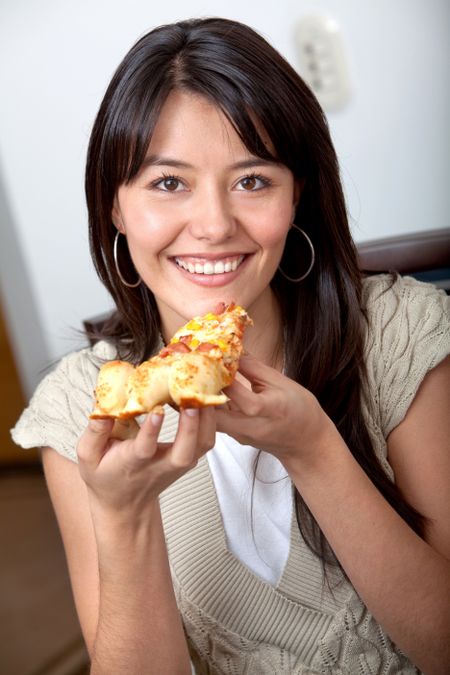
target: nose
212 218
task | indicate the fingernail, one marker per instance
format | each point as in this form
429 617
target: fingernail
191 412
99 424
156 419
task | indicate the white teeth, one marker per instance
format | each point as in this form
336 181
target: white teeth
218 267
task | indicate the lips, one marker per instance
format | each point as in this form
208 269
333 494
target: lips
196 265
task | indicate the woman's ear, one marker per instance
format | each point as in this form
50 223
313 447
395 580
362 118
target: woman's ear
298 189
116 216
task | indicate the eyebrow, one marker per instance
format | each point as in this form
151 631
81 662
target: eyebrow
158 160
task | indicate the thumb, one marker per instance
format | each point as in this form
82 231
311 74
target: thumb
93 442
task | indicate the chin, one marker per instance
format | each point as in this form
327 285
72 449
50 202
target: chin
201 306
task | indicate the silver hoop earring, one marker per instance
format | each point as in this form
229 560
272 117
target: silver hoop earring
313 258
116 264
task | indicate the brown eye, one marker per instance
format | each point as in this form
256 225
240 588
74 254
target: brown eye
168 183
253 183
171 184
249 183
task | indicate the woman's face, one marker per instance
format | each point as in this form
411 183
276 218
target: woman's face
205 220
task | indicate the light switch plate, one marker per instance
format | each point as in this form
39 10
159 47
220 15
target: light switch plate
323 61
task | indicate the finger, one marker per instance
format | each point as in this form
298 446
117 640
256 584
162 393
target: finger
256 371
207 430
243 399
184 448
93 442
146 441
125 429
235 424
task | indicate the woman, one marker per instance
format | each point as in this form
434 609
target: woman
211 177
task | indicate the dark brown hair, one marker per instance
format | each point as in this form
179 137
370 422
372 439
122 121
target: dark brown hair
236 69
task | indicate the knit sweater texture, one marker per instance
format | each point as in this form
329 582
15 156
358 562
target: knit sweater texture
235 622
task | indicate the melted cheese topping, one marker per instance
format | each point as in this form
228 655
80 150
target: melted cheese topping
190 374
222 330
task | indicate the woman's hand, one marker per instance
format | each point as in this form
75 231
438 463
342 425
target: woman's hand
124 476
136 624
276 415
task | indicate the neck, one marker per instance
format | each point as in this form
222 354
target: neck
264 340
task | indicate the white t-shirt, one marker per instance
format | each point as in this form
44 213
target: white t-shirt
258 537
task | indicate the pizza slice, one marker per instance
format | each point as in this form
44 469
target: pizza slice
200 360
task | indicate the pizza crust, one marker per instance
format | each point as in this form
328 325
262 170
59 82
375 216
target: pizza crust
190 372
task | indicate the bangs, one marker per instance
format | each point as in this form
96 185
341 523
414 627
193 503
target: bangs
133 133
225 86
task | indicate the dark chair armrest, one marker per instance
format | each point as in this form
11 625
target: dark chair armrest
414 252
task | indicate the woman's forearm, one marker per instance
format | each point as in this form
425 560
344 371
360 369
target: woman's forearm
136 628
139 628
402 580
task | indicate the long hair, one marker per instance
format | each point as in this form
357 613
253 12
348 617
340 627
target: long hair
323 321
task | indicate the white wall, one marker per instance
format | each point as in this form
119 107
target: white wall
56 59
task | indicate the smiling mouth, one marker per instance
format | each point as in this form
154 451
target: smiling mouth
209 267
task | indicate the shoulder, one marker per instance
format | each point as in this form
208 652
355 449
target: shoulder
408 334
403 314
59 409
384 296
79 368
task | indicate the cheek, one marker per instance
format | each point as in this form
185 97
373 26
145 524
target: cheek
145 217
150 231
271 228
